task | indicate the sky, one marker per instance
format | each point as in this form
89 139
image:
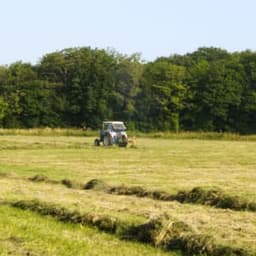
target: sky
32 28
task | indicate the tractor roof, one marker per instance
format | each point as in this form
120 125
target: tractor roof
117 125
113 122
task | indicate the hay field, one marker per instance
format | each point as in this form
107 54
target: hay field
55 224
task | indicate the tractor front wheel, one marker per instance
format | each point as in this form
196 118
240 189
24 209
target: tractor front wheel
97 142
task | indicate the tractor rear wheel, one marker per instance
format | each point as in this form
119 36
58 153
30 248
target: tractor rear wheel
123 141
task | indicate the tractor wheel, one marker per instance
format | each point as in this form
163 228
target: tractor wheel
123 142
97 142
107 140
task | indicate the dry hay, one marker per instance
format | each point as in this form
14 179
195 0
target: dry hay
140 192
68 183
171 236
63 214
71 184
123 190
180 236
146 232
39 178
133 142
96 184
3 175
214 197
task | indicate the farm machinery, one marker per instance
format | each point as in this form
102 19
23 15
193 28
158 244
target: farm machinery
112 133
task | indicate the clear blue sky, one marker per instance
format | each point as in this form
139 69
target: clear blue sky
31 28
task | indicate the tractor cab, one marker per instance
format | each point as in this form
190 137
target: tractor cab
112 132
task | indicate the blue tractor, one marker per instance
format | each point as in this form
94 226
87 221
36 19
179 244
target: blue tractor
112 133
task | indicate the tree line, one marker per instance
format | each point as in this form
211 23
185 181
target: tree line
207 90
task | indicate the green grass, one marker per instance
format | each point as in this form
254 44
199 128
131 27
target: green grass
47 131
228 227
164 164
26 233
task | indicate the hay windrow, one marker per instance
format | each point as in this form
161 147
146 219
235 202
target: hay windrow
157 232
96 184
41 178
71 184
198 195
140 192
3 174
102 222
123 190
214 197
66 182
145 233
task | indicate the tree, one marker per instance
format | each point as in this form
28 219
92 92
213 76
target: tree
127 75
246 115
209 89
161 97
216 89
88 85
3 108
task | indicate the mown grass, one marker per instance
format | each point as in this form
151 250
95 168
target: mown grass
160 232
47 131
164 164
229 228
170 165
196 135
27 233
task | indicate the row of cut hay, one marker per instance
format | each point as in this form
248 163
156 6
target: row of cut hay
213 197
41 178
159 232
66 182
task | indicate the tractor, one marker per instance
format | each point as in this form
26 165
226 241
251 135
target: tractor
112 133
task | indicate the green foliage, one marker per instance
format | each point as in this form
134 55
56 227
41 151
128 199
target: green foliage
209 89
216 89
3 108
128 71
162 94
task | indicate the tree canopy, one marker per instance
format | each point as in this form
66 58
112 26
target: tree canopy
209 89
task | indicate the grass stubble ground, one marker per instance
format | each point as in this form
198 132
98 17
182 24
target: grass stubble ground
169 165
